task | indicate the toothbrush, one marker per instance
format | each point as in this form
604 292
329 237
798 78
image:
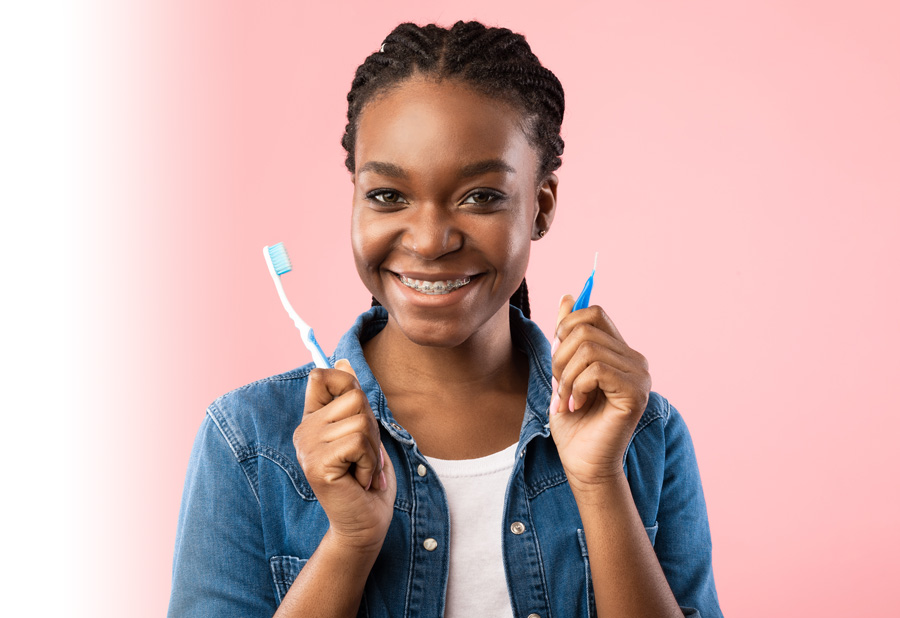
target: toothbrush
584 299
279 263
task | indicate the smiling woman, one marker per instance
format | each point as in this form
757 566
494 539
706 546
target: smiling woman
454 462
445 192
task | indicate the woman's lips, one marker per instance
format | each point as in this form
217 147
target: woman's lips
434 286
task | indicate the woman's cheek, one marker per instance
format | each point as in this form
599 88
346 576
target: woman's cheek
371 241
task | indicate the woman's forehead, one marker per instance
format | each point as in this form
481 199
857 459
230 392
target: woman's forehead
441 123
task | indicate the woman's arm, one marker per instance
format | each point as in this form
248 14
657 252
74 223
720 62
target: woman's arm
683 543
220 566
331 583
601 388
339 449
627 577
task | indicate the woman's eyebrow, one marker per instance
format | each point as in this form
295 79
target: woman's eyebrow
383 169
485 167
472 169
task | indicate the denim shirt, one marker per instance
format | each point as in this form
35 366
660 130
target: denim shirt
249 520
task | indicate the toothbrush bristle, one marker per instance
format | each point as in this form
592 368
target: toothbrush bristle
595 259
280 260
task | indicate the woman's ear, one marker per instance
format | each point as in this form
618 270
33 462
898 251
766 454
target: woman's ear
545 207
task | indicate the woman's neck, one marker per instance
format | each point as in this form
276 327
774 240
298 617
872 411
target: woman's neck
486 361
463 402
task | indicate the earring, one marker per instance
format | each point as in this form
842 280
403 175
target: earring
542 233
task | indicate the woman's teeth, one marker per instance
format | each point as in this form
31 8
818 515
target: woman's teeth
434 287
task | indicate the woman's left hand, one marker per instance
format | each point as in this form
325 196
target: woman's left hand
601 388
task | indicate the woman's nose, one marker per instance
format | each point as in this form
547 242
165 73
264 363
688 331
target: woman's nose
432 232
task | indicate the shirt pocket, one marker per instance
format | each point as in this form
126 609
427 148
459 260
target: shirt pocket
285 570
651 532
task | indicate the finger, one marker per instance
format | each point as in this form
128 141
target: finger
358 423
349 404
597 379
631 365
345 366
565 307
364 425
387 476
593 339
588 353
323 385
355 450
593 315
372 426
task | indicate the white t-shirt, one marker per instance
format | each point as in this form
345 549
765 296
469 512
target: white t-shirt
476 489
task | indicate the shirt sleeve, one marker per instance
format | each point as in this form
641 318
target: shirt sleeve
220 566
683 543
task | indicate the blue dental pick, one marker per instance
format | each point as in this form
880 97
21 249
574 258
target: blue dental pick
584 299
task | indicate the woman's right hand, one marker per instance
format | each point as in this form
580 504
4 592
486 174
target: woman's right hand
339 449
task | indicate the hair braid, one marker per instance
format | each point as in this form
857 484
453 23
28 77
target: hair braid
520 299
496 62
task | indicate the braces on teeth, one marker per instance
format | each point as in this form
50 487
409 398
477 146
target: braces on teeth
434 287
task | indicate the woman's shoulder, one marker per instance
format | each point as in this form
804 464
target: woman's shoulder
260 417
660 448
658 410
263 413
659 425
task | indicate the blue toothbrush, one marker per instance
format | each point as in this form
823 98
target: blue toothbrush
584 299
279 263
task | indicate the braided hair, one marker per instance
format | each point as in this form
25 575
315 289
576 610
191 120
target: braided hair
495 62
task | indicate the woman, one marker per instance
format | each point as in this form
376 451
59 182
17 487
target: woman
454 461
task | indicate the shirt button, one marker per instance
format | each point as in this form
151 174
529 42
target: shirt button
518 527
396 426
430 544
534 616
422 470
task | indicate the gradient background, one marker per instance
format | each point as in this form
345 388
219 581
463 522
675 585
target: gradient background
736 165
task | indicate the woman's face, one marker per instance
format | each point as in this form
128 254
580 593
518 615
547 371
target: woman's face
445 206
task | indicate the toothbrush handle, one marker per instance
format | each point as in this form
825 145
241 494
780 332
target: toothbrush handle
319 356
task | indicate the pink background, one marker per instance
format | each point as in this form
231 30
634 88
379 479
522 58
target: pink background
736 165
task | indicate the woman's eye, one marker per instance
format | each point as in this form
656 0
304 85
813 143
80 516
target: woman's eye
482 197
386 197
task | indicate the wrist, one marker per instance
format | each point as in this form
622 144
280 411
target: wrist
352 550
600 489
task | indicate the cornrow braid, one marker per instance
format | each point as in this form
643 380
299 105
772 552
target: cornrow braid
495 62
520 299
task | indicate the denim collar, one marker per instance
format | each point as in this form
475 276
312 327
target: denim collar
527 337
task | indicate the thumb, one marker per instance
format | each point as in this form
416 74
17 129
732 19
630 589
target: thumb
565 307
345 366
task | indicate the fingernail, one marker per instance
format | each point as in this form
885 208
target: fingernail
383 480
559 304
381 459
554 386
571 403
554 403
554 346
370 482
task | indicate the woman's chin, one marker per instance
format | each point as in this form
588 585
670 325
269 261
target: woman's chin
448 332
445 320
433 335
